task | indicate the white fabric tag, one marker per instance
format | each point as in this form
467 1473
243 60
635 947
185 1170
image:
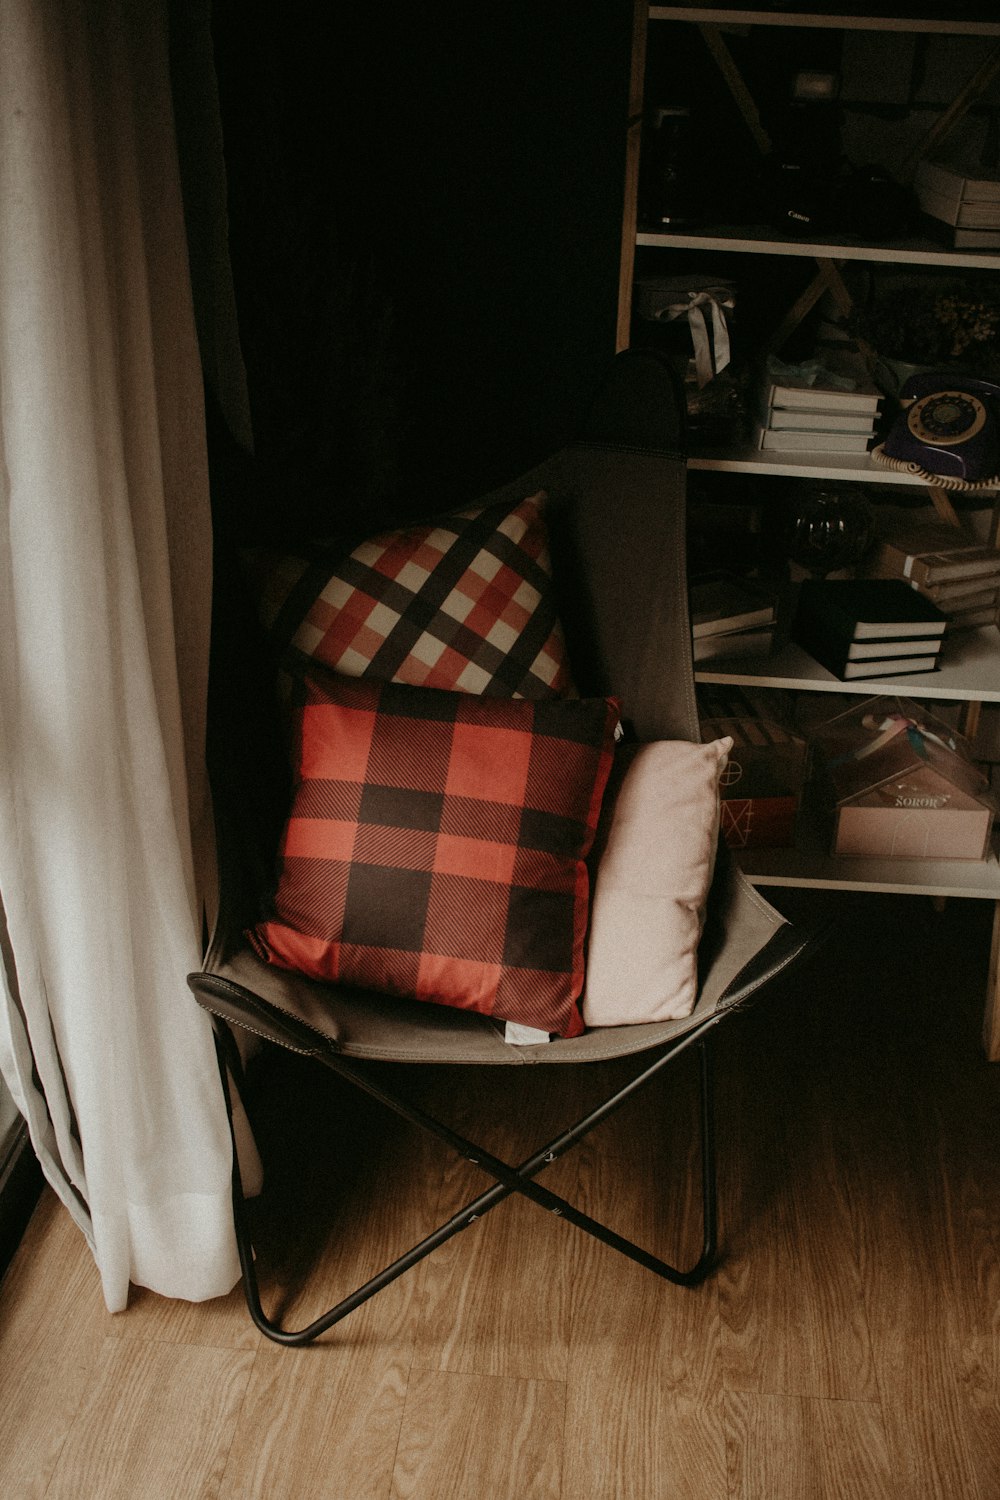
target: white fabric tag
523 1036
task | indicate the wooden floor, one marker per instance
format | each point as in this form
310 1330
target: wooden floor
848 1347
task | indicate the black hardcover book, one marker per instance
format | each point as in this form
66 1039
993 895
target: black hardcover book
863 609
847 661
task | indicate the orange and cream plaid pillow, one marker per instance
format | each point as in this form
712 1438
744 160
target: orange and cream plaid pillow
462 603
436 846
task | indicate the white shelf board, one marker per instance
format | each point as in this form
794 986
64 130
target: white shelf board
723 15
969 672
763 240
810 865
742 459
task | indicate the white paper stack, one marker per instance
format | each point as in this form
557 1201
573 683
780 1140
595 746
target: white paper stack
968 205
730 617
836 413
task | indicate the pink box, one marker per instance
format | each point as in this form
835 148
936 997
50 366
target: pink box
902 784
912 833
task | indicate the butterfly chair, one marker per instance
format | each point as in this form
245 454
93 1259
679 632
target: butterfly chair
616 523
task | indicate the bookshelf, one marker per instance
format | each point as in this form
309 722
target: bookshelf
970 664
764 241
743 459
969 672
810 864
952 20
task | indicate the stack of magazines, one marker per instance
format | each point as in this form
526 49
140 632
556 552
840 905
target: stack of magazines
956 573
967 206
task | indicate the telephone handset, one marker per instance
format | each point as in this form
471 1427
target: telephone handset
950 425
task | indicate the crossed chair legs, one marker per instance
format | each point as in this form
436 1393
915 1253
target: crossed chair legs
507 1180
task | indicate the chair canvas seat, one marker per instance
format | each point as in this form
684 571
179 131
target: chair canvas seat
616 518
308 1016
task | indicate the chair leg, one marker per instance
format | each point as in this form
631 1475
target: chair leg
508 1180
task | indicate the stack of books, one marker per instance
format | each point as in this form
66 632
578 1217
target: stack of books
868 627
958 575
967 205
835 414
730 616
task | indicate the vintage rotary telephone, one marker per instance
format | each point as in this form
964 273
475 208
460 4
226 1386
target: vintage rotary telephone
949 425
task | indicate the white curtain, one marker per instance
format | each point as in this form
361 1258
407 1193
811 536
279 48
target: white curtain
105 585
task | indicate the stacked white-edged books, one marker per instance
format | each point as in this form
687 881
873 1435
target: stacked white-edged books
867 627
827 406
968 203
950 568
730 616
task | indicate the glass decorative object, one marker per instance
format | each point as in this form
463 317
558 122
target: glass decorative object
830 529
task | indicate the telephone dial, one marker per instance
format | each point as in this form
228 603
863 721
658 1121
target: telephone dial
949 424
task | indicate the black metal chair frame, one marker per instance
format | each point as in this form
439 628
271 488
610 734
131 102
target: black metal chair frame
508 1179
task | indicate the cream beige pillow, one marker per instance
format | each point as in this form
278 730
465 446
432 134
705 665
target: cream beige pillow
655 856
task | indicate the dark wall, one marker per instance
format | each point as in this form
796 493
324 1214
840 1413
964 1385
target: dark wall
425 207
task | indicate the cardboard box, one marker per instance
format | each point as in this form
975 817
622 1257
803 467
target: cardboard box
761 786
901 784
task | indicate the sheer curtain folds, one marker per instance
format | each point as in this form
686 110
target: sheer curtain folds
105 585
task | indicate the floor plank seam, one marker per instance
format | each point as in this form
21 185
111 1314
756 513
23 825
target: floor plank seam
399 1430
237 1420
186 1343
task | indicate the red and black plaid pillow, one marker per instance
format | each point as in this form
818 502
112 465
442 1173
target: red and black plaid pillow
464 603
436 846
